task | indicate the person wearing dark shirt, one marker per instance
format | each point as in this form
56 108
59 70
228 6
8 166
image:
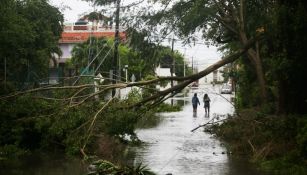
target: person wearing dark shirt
207 103
195 102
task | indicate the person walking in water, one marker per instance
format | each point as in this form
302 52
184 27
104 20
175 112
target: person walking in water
195 102
207 103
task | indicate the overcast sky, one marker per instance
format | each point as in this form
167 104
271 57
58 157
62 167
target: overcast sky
200 53
77 7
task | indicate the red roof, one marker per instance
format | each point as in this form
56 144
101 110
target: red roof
79 37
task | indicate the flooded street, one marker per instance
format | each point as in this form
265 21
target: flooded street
171 147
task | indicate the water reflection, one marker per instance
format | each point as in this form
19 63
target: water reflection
170 147
149 121
43 164
194 114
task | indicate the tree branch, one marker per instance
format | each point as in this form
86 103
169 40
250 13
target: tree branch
189 79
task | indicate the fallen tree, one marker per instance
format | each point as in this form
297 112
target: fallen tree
68 100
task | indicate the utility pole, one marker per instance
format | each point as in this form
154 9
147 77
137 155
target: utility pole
183 68
173 63
184 62
116 43
192 66
172 69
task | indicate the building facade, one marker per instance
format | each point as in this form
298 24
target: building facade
74 33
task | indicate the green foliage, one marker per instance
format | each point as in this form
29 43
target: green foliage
154 54
149 120
302 136
119 122
151 89
134 96
284 166
104 167
29 34
99 49
248 91
165 107
277 143
33 122
282 55
11 151
141 61
286 54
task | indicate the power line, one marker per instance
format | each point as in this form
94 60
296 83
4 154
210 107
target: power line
103 59
89 64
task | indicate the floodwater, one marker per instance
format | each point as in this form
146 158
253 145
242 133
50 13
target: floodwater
171 147
43 164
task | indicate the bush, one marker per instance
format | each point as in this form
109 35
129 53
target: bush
277 143
301 137
164 107
105 167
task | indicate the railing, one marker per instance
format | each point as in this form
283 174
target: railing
90 28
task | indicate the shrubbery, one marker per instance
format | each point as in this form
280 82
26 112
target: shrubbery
34 121
277 143
104 167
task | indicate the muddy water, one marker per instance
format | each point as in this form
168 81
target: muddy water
171 147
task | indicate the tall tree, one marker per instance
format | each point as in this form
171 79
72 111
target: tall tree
226 21
29 33
286 52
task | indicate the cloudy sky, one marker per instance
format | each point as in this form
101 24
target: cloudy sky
76 8
201 55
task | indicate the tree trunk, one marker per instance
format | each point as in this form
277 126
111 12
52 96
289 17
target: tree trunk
253 55
189 79
256 61
260 74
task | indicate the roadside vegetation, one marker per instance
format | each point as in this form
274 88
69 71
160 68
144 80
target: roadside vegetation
67 117
276 143
271 103
262 43
272 132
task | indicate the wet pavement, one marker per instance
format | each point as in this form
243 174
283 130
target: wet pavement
171 147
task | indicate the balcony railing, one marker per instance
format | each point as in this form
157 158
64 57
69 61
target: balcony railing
90 28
